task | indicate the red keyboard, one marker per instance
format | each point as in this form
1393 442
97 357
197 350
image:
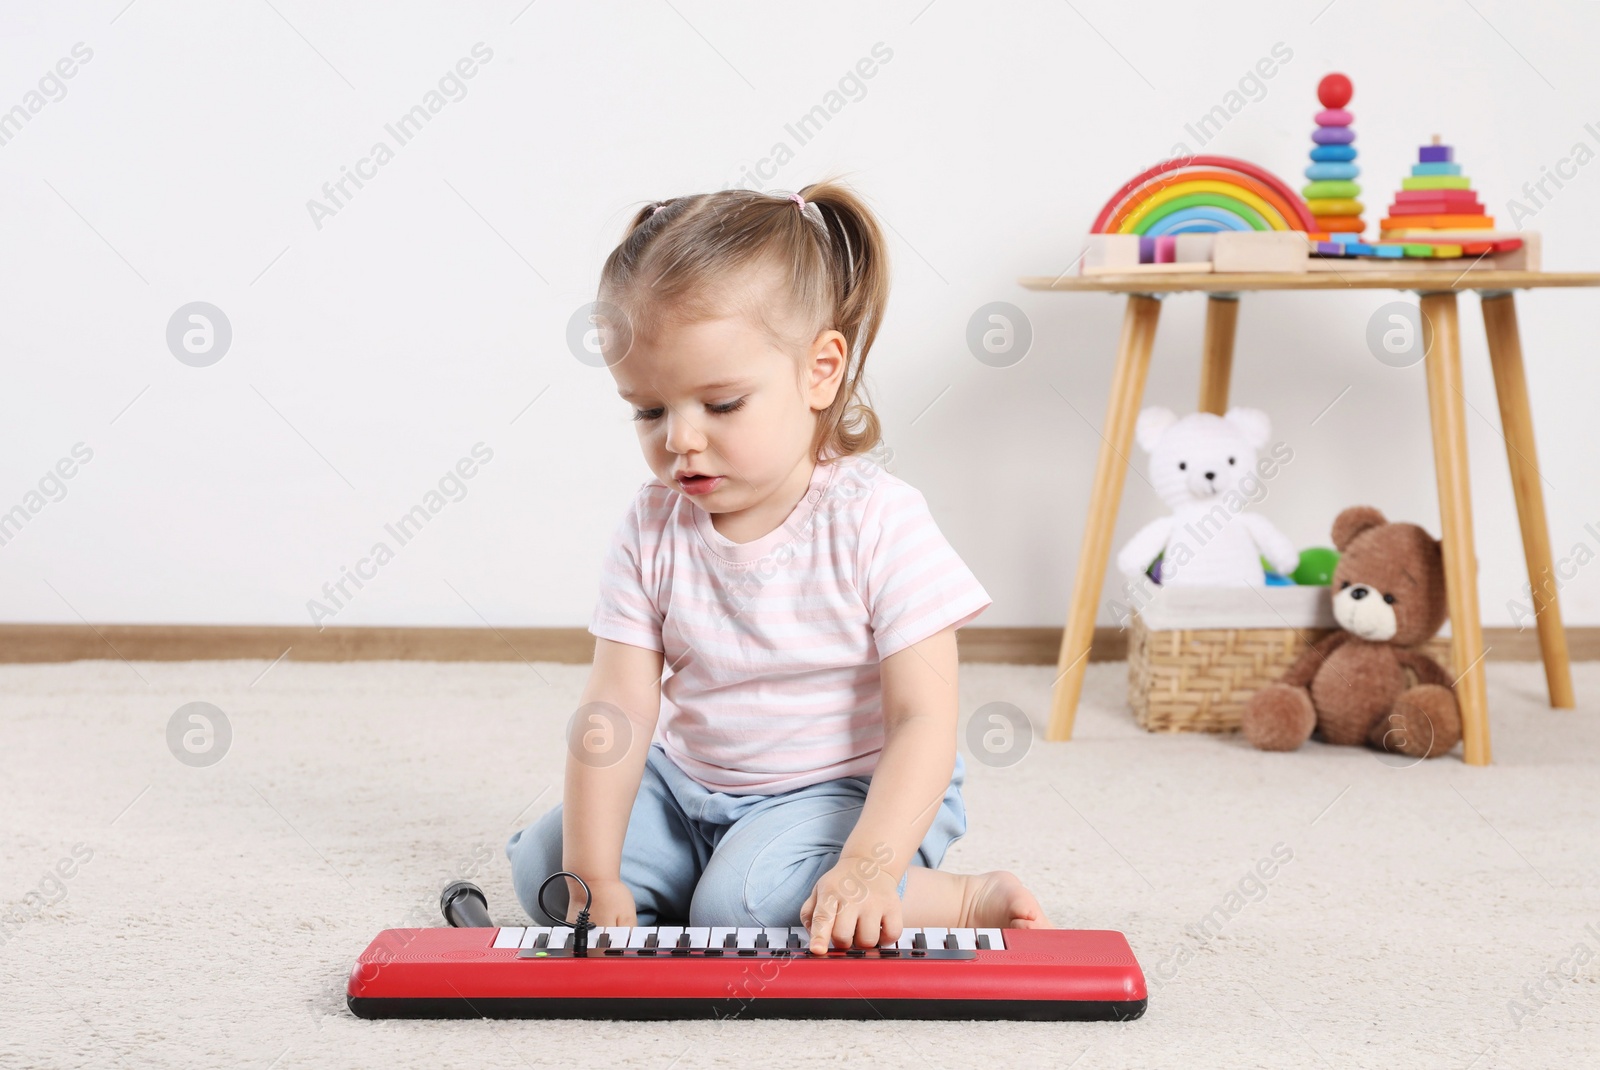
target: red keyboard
669 972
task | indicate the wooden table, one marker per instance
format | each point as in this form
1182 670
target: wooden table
1447 414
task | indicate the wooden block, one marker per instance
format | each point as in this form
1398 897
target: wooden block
1331 189
1347 207
1193 248
1409 208
1452 233
1436 182
1436 167
1333 153
1464 196
1346 265
1260 250
1435 154
1332 172
1473 246
1438 222
1525 258
1165 248
1339 224
1111 251
1152 269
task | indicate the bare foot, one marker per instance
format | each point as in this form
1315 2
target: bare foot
998 900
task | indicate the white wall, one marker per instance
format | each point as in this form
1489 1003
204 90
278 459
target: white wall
430 310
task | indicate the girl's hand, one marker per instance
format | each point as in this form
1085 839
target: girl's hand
854 903
613 904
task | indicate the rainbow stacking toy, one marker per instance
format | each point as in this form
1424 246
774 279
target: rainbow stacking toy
1436 197
1332 192
1202 194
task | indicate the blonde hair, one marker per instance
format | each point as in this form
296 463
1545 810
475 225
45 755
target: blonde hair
683 260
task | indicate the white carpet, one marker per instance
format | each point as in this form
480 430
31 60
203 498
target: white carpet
220 912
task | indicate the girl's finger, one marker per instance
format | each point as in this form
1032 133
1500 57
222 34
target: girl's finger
844 925
822 924
892 922
868 927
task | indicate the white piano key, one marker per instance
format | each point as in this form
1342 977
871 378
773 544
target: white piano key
802 932
997 940
699 936
719 933
669 935
907 935
966 939
640 934
747 937
558 936
935 938
618 933
532 933
777 937
510 936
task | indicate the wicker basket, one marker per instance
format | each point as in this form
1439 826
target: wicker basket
1196 656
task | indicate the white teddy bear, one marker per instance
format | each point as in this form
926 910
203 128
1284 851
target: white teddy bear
1204 466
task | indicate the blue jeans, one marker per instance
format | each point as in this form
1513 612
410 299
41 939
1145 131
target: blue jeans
704 857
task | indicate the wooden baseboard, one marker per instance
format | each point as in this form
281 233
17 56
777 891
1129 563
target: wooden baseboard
206 642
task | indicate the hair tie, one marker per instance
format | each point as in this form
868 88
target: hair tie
657 208
797 199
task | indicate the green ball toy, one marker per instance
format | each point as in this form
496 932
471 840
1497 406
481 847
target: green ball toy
1316 566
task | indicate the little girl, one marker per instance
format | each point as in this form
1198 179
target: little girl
777 616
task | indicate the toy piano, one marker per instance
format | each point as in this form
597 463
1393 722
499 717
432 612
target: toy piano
653 972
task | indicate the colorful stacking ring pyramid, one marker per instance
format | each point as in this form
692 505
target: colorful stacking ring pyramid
1436 196
1332 192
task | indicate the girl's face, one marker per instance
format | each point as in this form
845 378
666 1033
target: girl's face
727 417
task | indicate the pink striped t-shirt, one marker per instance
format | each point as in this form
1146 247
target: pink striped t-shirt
771 647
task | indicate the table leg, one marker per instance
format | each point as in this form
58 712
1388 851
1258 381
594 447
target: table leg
1447 411
1116 441
1216 355
1516 419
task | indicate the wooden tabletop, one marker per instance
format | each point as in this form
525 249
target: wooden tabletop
1432 280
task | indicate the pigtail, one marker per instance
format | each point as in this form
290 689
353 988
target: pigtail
860 269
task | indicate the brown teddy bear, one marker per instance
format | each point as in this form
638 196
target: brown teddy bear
1363 683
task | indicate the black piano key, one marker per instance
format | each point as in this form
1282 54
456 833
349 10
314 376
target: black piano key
950 942
682 946
651 942
542 940
983 942
761 940
794 942
602 942
919 942
731 941
567 946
